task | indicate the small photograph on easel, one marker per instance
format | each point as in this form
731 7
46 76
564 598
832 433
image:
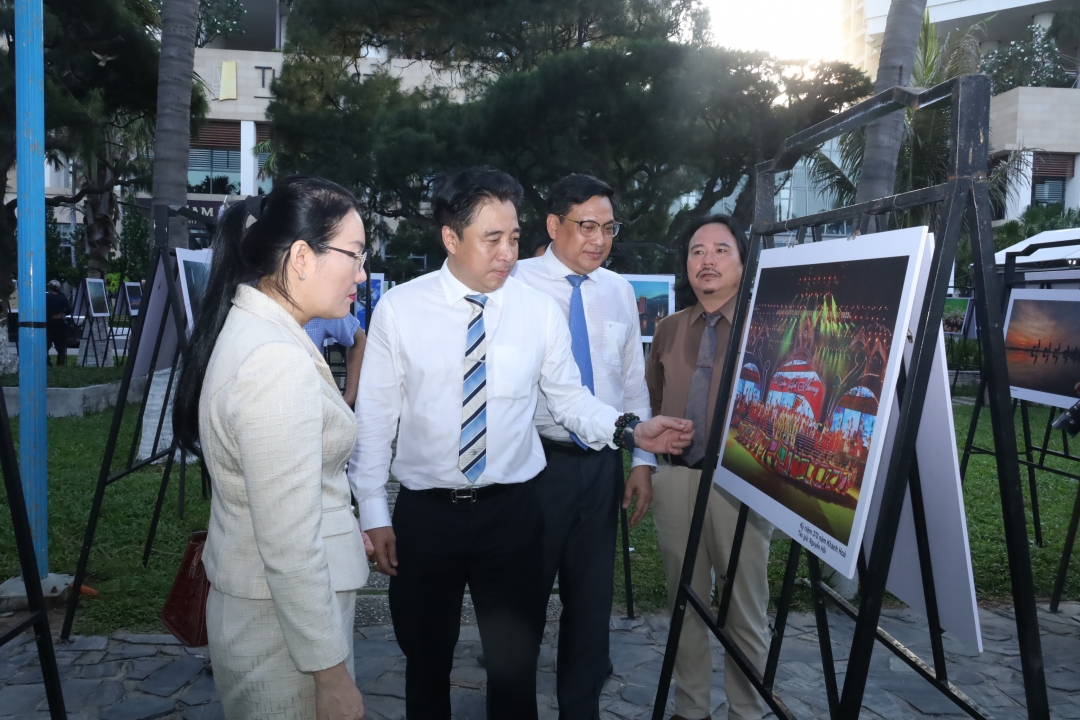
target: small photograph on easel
99 300
655 298
1042 346
133 292
955 317
818 370
194 267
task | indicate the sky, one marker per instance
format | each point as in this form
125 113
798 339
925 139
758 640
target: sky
789 29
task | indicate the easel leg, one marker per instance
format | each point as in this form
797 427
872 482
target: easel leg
626 563
971 429
180 486
1046 436
160 501
824 639
1033 488
1066 555
787 590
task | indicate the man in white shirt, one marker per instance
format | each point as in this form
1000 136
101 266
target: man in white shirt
458 358
581 488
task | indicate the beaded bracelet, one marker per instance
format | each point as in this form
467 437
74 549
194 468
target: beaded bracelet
620 428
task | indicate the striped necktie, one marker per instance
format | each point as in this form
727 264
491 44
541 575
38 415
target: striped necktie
472 449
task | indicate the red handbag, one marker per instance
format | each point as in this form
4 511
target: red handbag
184 613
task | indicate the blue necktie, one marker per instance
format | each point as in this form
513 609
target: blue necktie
472 448
579 339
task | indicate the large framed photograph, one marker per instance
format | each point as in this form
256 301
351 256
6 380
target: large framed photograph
194 266
98 298
1042 346
132 292
378 284
819 364
655 296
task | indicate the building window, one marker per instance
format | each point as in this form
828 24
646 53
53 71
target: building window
213 172
1048 191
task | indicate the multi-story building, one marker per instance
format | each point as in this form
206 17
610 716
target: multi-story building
1041 122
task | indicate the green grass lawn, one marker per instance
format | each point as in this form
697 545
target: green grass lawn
985 529
131 596
70 375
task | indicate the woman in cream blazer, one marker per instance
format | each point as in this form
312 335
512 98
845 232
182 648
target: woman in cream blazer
284 553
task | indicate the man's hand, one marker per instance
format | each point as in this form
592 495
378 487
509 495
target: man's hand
368 547
385 543
664 434
336 696
639 484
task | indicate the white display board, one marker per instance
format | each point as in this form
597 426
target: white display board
194 267
818 367
1042 346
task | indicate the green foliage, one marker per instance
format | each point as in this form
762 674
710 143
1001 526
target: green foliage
1034 61
1036 219
134 252
57 260
668 125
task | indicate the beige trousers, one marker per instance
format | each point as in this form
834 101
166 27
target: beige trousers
674 492
253 672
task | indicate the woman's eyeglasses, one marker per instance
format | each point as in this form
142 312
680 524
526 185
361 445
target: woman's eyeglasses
360 258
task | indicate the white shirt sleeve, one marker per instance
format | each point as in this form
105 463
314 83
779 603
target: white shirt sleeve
571 404
378 404
635 391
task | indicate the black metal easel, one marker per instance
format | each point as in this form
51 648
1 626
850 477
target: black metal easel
170 310
963 196
36 616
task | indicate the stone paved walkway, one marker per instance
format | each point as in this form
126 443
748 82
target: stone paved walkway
139 677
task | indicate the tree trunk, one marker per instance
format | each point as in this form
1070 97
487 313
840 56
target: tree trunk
179 19
101 211
884 135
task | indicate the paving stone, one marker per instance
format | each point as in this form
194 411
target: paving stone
169 679
921 694
65 658
26 676
380 707
201 691
625 658
90 658
107 694
164 639
76 691
210 711
1066 681
85 643
470 676
141 668
468 704
102 670
139 707
20 700
128 652
390 684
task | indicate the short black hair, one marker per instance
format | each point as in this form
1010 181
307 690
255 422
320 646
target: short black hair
456 197
575 189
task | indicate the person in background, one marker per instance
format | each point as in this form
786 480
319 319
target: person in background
284 553
683 374
581 488
56 308
457 358
347 332
541 247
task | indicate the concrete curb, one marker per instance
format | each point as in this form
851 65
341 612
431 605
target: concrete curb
76 402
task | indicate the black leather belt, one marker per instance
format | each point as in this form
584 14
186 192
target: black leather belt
462 495
567 448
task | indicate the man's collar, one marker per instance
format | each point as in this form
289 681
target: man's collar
727 310
557 267
455 290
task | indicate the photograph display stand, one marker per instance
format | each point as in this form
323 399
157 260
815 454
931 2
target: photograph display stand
96 345
36 615
963 196
157 342
1013 280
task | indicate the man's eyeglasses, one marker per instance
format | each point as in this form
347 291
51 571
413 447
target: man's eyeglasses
589 228
360 258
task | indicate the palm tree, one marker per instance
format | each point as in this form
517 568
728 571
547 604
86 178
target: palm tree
179 23
884 135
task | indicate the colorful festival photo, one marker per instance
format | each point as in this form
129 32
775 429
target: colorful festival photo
807 399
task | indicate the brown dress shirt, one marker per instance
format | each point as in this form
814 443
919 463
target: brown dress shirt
673 359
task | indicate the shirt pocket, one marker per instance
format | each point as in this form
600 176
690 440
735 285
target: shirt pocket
510 373
614 340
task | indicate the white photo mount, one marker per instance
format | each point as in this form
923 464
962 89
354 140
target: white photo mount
1042 346
818 491
649 293
194 271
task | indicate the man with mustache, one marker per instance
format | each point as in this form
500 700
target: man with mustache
453 367
581 488
683 375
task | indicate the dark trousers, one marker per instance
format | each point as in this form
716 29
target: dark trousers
580 493
56 335
494 547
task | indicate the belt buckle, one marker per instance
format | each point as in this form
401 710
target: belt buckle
463 495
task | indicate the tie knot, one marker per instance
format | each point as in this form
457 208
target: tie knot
712 318
576 280
480 300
